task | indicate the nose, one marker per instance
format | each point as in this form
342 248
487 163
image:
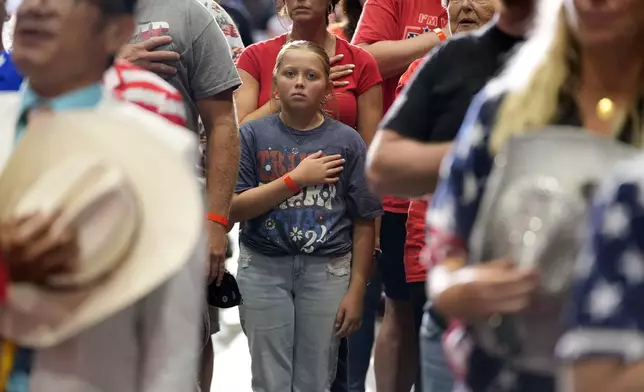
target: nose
23 6
299 81
467 6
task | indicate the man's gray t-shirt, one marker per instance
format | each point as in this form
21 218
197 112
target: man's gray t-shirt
317 220
206 67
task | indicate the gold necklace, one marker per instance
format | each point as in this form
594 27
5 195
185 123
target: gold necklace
605 109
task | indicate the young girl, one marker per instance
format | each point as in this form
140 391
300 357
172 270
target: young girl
308 218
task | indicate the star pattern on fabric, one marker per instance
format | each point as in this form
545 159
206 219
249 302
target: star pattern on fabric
603 300
616 221
632 267
456 200
472 140
584 264
608 292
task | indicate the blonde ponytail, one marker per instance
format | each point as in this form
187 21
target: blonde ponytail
541 69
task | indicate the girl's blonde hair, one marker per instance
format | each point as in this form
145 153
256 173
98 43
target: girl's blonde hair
316 50
305 46
544 67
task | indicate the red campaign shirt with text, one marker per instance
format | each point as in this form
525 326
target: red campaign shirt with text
259 60
395 20
147 90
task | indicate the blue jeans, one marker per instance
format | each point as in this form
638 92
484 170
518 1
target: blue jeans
289 311
361 342
435 373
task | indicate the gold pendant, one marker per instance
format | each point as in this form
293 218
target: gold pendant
605 109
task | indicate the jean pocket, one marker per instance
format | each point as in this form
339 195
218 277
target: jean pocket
245 256
339 266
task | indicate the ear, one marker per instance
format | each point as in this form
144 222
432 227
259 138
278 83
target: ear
118 32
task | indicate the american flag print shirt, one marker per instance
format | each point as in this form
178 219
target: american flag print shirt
455 205
607 317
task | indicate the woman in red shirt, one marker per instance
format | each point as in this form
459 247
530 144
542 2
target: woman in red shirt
357 96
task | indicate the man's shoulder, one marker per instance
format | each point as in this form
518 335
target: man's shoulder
170 14
453 56
147 90
474 43
124 75
180 138
458 45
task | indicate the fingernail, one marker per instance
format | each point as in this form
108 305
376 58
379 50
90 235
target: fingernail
341 55
352 66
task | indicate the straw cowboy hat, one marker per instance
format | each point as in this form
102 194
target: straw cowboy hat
131 197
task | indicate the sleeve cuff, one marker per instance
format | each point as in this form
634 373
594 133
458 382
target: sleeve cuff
585 342
232 83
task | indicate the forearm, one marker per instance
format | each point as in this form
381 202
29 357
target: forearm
258 201
445 286
223 163
394 57
270 107
364 233
410 174
597 375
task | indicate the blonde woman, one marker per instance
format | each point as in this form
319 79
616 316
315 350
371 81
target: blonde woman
584 67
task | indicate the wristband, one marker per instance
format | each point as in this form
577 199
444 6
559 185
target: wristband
222 220
291 184
440 34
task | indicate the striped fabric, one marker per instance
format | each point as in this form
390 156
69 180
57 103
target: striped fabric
15 368
146 90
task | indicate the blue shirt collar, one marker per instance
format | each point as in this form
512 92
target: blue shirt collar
86 97
83 98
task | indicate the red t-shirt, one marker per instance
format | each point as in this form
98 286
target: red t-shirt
406 77
415 271
259 60
337 29
395 20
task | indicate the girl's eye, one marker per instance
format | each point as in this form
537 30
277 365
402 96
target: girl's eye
289 74
312 76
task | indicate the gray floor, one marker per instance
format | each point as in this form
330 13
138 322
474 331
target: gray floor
232 362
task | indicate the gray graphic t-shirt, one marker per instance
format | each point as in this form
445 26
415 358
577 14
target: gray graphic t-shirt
318 220
206 67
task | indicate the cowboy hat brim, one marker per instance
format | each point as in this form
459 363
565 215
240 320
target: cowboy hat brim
151 152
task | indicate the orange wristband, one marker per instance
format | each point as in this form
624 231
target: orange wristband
291 184
440 34
222 220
